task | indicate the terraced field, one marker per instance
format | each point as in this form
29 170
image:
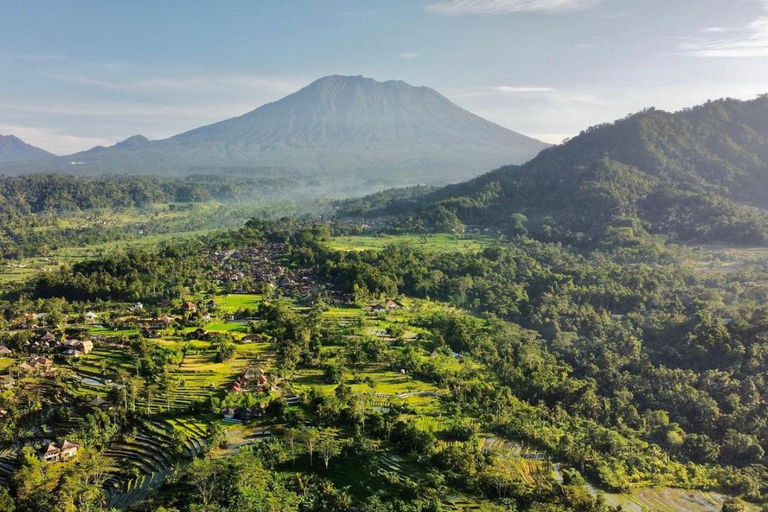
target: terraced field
668 500
141 464
513 449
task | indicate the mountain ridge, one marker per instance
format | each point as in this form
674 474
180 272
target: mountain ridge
700 174
14 149
348 127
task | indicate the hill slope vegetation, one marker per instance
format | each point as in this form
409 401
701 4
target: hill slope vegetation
699 174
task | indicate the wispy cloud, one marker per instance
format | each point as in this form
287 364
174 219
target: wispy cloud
495 7
242 83
749 40
499 90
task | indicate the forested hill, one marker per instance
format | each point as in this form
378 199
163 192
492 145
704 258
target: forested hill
699 174
39 193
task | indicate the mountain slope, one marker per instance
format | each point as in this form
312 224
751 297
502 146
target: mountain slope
699 174
14 149
338 126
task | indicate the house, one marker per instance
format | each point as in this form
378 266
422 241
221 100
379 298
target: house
91 317
160 323
48 337
190 307
251 338
59 452
42 362
37 365
393 304
5 351
145 332
51 453
228 413
138 307
378 308
198 334
86 346
99 403
76 347
7 381
248 413
68 450
211 305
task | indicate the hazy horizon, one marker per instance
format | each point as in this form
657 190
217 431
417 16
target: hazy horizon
80 74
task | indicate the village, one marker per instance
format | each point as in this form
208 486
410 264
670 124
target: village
220 368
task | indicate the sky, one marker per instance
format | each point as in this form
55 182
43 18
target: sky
79 73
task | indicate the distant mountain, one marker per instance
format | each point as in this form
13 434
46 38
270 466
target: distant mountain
14 149
346 127
700 174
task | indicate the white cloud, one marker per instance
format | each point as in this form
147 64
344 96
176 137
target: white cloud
499 91
494 7
515 90
750 40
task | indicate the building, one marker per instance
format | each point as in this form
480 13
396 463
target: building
190 307
72 346
5 351
91 317
48 337
59 452
393 304
251 338
378 308
160 323
7 381
99 403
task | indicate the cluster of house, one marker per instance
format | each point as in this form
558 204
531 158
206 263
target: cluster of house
59 452
36 365
390 304
253 379
259 265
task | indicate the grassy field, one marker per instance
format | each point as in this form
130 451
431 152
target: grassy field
232 302
441 242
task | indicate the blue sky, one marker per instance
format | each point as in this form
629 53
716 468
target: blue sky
74 74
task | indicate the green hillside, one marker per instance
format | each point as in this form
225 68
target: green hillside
695 175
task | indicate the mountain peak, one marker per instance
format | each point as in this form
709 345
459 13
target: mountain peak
132 142
13 148
349 127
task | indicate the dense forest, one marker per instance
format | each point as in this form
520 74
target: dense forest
696 175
